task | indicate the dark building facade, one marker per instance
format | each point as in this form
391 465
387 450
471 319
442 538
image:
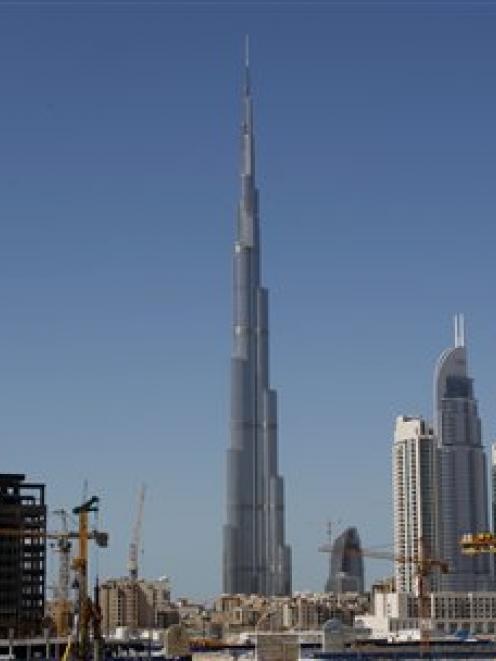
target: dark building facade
22 557
346 570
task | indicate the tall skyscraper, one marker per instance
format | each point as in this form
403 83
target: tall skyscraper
414 497
256 558
493 487
462 468
493 505
346 570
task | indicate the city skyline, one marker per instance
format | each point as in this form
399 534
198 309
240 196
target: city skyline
376 167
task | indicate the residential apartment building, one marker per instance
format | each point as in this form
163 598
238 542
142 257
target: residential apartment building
414 497
136 604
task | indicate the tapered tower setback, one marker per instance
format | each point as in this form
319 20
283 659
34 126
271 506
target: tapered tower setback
462 468
255 557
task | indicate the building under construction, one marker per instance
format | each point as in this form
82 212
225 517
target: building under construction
22 557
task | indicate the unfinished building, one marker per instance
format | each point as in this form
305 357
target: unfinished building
22 557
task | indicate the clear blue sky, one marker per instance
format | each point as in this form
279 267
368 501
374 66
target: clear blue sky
119 137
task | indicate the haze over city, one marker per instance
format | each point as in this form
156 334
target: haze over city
119 142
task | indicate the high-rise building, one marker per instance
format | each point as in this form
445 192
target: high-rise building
22 557
414 497
493 487
256 558
493 506
463 497
346 570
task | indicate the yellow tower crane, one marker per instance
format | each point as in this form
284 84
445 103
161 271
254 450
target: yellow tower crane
481 542
88 611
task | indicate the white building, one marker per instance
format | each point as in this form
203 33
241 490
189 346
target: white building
395 614
414 496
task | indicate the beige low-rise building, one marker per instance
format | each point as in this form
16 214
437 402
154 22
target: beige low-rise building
300 612
136 604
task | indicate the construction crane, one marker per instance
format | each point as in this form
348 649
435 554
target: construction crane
134 546
62 606
476 543
88 611
424 567
64 548
329 530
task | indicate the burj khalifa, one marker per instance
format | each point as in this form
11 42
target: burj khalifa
256 559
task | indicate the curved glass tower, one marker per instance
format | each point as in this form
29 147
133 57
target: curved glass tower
463 493
346 570
255 557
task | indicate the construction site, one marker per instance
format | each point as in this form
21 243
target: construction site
134 617
23 560
79 621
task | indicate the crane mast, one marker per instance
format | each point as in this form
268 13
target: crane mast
62 608
85 607
64 548
134 546
87 611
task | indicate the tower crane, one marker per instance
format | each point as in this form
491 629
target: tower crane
63 547
329 530
134 546
424 567
62 604
481 542
86 609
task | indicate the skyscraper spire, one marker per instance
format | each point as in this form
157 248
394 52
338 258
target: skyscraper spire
247 147
256 558
459 330
247 63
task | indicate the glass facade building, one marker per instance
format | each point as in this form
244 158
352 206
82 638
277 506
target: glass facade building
346 570
256 558
463 492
